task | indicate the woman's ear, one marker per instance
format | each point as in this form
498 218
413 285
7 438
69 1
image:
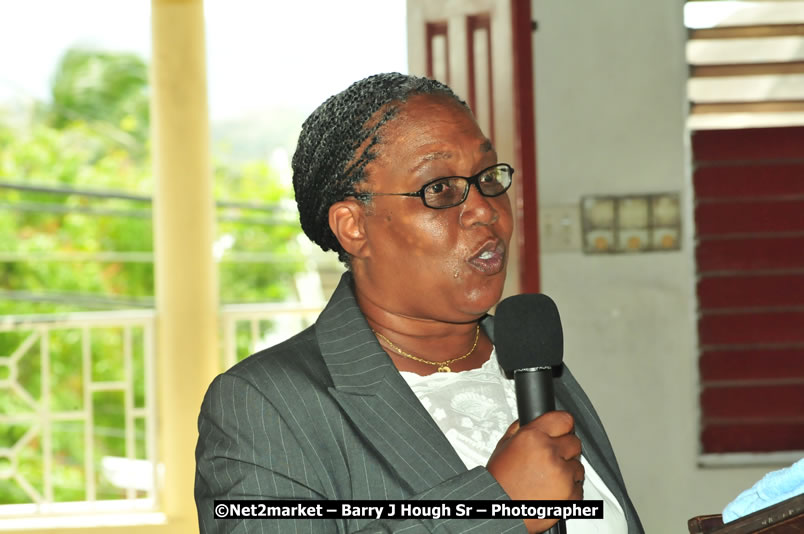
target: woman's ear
347 221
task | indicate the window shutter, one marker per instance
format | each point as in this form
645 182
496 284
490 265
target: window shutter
749 216
746 93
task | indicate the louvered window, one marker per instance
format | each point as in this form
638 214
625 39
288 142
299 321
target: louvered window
746 92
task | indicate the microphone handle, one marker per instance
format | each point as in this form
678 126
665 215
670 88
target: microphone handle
534 393
534 397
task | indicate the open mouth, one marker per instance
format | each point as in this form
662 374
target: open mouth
490 259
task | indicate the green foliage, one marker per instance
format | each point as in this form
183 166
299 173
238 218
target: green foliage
94 137
104 88
75 156
245 282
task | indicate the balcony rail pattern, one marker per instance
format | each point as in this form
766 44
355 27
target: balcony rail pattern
248 328
77 398
78 390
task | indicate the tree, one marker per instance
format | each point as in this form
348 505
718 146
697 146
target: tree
109 90
93 136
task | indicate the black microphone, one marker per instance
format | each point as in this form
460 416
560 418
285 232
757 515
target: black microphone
529 342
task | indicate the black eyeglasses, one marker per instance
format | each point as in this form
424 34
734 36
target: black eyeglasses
450 191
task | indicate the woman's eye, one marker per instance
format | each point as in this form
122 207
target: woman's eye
489 177
436 188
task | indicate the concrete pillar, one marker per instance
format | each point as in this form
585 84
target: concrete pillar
184 230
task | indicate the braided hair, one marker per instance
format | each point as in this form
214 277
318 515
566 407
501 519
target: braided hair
339 139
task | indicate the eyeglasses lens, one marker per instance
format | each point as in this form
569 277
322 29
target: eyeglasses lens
494 181
449 192
446 192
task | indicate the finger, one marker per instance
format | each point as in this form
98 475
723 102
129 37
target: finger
580 474
577 491
554 424
568 447
578 478
512 429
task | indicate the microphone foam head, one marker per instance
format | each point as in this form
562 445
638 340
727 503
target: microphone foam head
527 332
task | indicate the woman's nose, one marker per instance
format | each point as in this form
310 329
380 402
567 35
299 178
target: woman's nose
477 209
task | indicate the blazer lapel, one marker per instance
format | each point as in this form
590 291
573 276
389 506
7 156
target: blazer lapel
591 433
588 428
373 394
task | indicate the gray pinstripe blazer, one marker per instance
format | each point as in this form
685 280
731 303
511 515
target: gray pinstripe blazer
326 415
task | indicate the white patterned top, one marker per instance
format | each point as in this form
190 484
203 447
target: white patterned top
474 408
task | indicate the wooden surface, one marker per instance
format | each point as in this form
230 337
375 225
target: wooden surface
786 517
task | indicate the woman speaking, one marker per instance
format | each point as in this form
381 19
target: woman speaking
395 392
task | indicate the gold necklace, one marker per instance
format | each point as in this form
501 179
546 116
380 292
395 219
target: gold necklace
443 367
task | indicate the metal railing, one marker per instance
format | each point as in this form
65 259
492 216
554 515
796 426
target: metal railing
248 328
66 356
60 374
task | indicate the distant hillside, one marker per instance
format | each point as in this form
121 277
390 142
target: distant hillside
257 135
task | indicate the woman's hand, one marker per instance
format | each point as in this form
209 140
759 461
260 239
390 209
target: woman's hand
539 461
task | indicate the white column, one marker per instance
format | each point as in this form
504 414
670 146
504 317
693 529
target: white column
184 230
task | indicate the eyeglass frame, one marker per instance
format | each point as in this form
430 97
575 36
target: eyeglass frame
470 180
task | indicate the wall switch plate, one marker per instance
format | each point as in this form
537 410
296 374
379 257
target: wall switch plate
559 227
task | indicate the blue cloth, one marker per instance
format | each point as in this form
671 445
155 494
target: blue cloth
774 487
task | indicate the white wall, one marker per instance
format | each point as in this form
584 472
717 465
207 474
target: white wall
610 111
